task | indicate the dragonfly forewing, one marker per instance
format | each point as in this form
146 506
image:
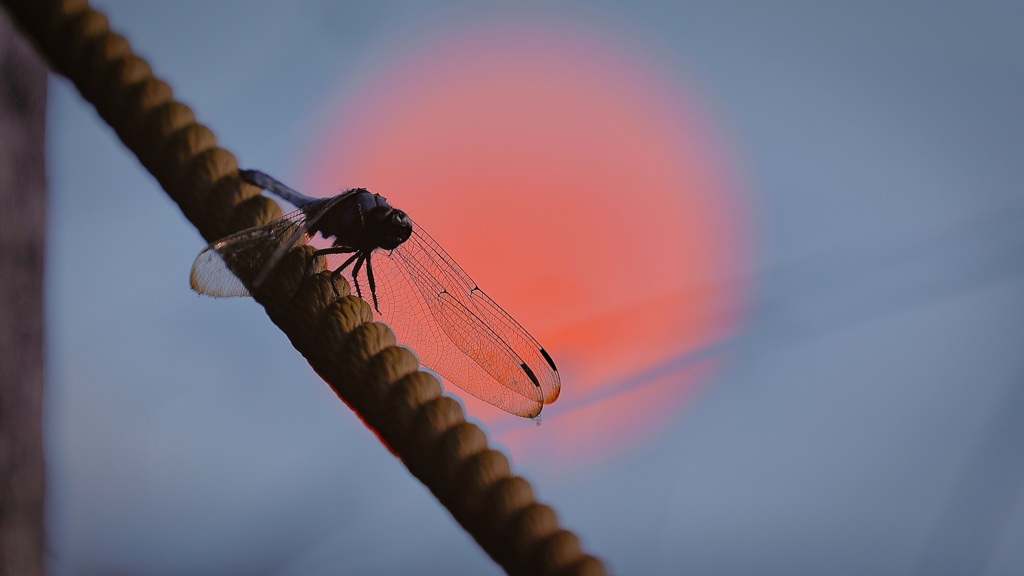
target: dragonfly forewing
435 308
236 264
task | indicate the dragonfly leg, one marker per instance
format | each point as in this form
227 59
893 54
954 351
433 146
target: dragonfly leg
355 272
363 257
370 280
337 271
334 250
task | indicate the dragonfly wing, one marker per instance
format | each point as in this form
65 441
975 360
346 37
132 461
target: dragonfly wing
436 309
212 276
230 266
235 264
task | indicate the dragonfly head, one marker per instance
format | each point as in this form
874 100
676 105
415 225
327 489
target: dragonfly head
388 227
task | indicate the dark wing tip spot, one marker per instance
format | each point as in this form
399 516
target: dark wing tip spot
529 373
548 358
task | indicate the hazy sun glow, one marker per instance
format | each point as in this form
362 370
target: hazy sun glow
582 191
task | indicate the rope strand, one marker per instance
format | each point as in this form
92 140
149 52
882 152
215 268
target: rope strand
357 357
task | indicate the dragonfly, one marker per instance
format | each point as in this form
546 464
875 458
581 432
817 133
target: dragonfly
415 286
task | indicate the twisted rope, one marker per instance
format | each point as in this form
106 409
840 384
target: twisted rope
357 357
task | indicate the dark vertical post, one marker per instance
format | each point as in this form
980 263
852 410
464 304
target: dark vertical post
22 237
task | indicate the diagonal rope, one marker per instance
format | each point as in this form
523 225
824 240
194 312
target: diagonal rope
357 357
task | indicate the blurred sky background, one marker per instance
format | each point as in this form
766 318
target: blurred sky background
774 247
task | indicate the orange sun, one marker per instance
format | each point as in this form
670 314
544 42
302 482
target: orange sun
581 191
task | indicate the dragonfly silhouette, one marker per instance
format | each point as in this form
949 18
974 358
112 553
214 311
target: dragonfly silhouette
431 304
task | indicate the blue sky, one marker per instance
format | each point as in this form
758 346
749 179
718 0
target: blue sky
864 418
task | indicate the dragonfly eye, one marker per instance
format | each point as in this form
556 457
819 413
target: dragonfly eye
388 227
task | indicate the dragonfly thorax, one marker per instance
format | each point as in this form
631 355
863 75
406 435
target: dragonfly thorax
365 221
